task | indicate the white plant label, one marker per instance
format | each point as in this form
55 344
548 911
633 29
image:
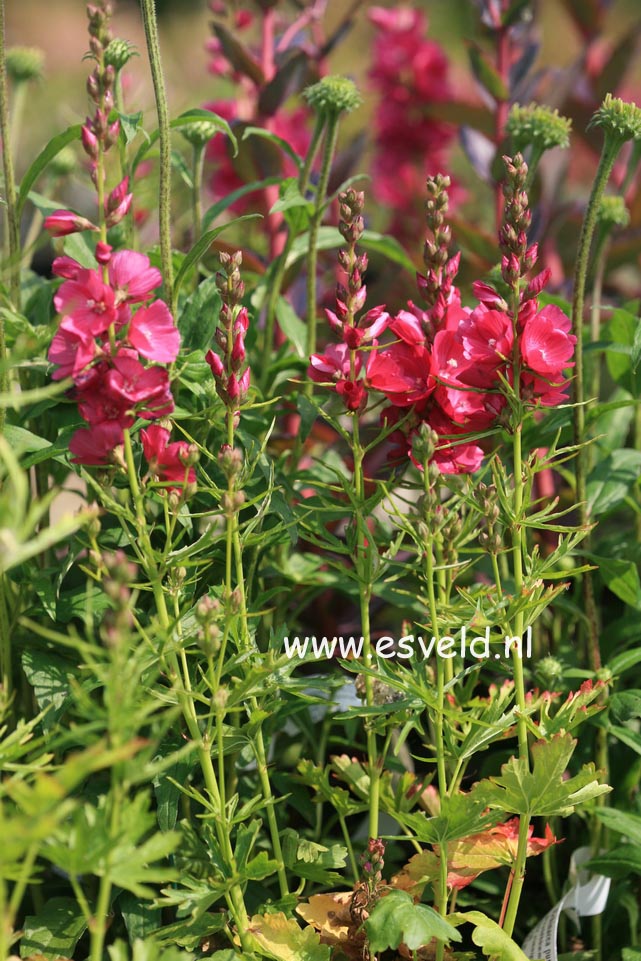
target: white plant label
586 898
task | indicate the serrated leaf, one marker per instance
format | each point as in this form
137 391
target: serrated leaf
54 931
543 792
493 940
396 919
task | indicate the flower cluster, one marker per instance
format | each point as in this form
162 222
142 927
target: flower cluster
98 133
232 374
342 365
409 73
459 370
114 344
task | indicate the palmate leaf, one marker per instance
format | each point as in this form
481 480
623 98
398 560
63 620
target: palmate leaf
282 938
491 939
542 792
460 816
397 919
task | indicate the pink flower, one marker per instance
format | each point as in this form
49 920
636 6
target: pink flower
334 364
73 348
165 460
66 267
118 203
89 300
402 372
63 222
452 456
153 334
95 445
97 403
215 363
145 388
546 344
353 393
487 336
132 276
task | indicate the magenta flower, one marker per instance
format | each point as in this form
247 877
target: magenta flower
63 222
91 302
403 372
166 461
144 388
334 364
132 276
153 334
487 336
94 446
73 348
547 345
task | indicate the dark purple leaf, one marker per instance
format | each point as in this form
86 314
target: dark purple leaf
480 151
522 67
239 57
295 73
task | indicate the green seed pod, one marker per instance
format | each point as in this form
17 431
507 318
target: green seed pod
25 63
539 126
333 95
618 118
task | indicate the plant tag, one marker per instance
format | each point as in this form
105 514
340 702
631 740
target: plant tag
587 897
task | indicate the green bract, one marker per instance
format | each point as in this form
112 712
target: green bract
333 95
538 125
619 118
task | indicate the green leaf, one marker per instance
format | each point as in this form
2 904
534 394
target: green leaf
397 920
631 954
627 736
625 661
130 124
283 939
45 156
308 414
543 792
48 675
273 138
609 483
460 815
618 863
635 357
22 440
329 238
55 931
199 316
625 705
623 822
621 577
493 940
201 247
292 326
196 115
140 919
222 205
77 247
486 74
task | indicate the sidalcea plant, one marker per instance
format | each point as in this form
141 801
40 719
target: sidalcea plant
191 769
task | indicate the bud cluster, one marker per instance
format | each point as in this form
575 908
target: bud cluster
231 371
118 620
487 499
208 635
99 133
350 299
437 283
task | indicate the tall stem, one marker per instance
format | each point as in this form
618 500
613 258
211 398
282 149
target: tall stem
164 191
331 137
609 154
197 177
13 223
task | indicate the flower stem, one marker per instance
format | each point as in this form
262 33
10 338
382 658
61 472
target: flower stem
611 148
517 876
276 284
13 222
197 178
164 190
329 147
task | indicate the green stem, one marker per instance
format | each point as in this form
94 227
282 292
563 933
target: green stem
13 222
518 876
197 178
610 151
6 659
99 920
164 187
329 148
276 284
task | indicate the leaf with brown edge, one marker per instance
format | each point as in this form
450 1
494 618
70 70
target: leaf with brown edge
468 857
283 939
